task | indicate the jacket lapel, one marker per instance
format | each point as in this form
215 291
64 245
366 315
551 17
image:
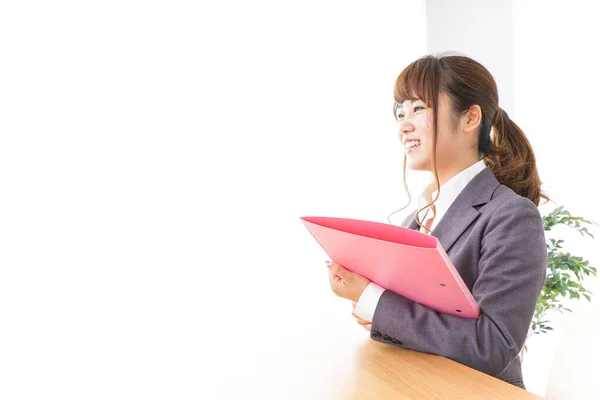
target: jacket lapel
456 220
410 222
462 212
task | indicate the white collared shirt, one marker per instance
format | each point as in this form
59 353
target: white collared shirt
365 307
452 189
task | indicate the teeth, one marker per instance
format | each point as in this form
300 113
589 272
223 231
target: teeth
411 143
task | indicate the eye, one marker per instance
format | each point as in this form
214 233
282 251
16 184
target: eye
399 116
417 108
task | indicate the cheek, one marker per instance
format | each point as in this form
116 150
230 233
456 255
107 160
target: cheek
447 145
423 124
424 130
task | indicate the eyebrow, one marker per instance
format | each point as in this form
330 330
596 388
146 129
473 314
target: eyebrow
400 105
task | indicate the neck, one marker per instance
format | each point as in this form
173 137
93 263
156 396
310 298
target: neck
449 172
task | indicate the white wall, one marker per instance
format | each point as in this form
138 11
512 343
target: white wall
155 160
479 29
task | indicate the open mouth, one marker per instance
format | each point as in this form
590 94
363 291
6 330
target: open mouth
410 145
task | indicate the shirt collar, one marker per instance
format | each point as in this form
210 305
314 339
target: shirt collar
450 190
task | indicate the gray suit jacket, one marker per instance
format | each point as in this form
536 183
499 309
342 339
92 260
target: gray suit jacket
495 239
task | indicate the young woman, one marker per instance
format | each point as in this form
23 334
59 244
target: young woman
481 205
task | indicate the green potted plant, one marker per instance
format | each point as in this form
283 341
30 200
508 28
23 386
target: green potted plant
565 275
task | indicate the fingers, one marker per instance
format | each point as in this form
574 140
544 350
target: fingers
364 323
336 283
333 278
346 283
338 270
337 275
361 321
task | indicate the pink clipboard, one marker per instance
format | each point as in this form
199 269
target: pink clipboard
407 262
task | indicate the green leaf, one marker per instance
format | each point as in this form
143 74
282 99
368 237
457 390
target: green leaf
587 297
565 271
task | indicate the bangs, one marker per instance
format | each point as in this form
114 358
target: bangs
420 80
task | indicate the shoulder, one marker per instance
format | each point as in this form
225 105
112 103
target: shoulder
505 199
511 210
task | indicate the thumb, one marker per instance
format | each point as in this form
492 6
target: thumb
341 271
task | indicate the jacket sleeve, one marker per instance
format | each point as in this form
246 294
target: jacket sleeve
512 269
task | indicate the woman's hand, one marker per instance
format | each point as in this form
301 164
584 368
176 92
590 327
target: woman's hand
362 322
346 284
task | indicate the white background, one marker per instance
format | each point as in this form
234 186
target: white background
154 161
155 158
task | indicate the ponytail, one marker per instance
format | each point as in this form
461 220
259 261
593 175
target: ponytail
510 157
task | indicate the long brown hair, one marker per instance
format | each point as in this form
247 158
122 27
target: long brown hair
507 152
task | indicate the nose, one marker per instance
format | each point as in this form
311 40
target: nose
405 126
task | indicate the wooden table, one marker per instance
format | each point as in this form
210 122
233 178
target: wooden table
330 357
278 332
386 372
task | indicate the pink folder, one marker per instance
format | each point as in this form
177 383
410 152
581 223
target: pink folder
407 262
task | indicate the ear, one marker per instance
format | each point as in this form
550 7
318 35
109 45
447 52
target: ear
471 120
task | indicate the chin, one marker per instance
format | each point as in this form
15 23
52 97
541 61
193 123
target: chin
417 165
